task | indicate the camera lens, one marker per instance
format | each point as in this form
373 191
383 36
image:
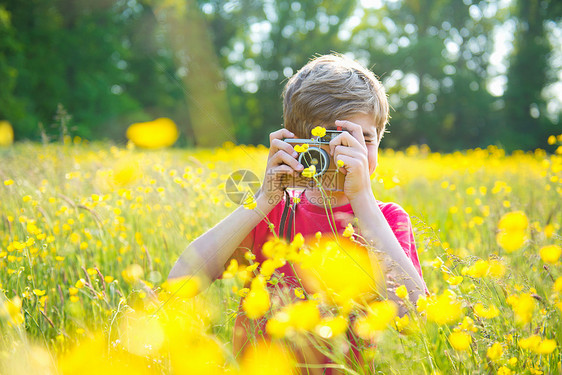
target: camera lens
317 157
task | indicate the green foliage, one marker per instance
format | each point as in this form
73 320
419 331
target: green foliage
114 62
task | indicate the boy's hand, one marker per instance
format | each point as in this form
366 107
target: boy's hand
350 148
280 163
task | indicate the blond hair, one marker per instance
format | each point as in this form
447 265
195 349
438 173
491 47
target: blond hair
329 88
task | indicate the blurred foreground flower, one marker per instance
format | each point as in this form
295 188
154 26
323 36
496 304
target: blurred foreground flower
537 345
487 313
132 274
342 272
379 316
460 340
523 307
301 317
182 287
550 253
159 133
495 351
443 309
93 357
266 358
141 334
11 310
6 133
257 301
512 231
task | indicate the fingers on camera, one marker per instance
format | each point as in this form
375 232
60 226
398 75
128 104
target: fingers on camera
348 140
278 144
282 157
280 134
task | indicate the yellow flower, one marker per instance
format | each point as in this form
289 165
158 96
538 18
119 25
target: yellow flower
558 284
332 327
309 172
8 182
183 287
379 316
257 302
523 307
454 280
342 272
460 341
299 293
80 284
551 139
504 371
495 351
6 133
496 268
231 270
487 313
318 131
132 274
546 346
530 342
444 309
12 310
549 230
467 325
159 133
479 269
298 241
421 304
299 317
267 358
250 202
402 292
340 163
512 232
349 231
402 324
38 292
550 253
301 148
535 344
269 266
511 241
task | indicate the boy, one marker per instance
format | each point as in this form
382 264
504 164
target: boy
331 91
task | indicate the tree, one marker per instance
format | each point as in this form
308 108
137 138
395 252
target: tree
525 125
433 59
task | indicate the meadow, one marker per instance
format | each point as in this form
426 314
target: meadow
89 232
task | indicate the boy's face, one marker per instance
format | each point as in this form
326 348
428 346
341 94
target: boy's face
367 123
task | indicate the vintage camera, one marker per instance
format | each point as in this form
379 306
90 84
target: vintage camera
318 154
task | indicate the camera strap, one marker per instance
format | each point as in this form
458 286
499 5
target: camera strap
287 217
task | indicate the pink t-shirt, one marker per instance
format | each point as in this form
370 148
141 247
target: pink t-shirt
310 218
